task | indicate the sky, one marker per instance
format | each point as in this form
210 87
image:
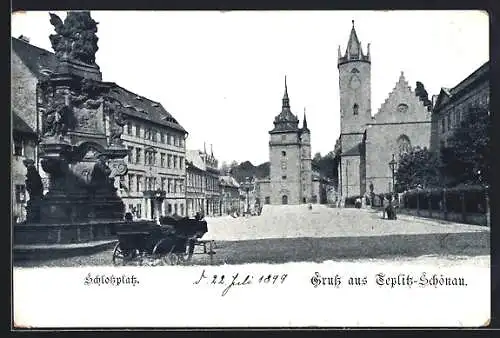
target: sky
221 74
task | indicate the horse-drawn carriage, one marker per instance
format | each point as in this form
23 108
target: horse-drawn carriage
172 242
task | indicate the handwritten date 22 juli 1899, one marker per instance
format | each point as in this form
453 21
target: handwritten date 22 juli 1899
238 279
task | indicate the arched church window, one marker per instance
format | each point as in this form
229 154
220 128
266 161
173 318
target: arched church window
355 109
355 82
354 70
404 144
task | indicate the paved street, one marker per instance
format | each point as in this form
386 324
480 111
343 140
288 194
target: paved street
294 233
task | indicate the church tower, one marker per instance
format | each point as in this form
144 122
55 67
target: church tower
355 112
285 156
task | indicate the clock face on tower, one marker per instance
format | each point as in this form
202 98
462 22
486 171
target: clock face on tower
355 82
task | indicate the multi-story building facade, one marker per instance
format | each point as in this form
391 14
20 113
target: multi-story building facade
24 147
195 183
212 190
453 104
156 141
202 178
229 195
156 159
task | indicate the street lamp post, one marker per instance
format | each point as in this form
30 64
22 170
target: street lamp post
347 178
392 165
486 198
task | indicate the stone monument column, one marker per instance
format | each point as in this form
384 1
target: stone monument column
80 156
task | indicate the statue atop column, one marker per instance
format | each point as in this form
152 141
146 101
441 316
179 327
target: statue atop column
75 38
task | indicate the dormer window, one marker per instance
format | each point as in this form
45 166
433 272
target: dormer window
355 109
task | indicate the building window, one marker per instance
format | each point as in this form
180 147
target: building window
169 185
171 140
162 160
181 185
20 193
283 137
129 128
355 109
182 209
137 130
168 138
130 182
163 181
137 155
442 125
139 211
169 161
162 137
18 147
181 161
267 200
449 120
283 165
169 208
283 177
175 208
175 162
404 144
130 154
139 183
283 153
153 135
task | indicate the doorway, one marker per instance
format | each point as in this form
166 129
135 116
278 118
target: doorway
284 199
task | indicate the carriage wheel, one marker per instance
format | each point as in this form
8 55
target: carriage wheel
171 258
118 256
187 254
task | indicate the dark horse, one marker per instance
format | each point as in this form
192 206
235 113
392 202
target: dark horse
187 230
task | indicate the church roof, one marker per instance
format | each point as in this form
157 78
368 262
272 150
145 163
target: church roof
286 120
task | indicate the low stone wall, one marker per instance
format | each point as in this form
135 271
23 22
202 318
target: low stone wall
73 233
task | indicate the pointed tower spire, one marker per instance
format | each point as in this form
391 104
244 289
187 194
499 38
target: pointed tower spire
354 50
353 46
212 150
286 101
304 122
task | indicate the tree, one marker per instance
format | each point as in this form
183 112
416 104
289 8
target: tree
419 167
466 157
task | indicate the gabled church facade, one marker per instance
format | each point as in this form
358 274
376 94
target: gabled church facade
368 142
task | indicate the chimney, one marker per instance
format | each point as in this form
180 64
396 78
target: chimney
24 38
